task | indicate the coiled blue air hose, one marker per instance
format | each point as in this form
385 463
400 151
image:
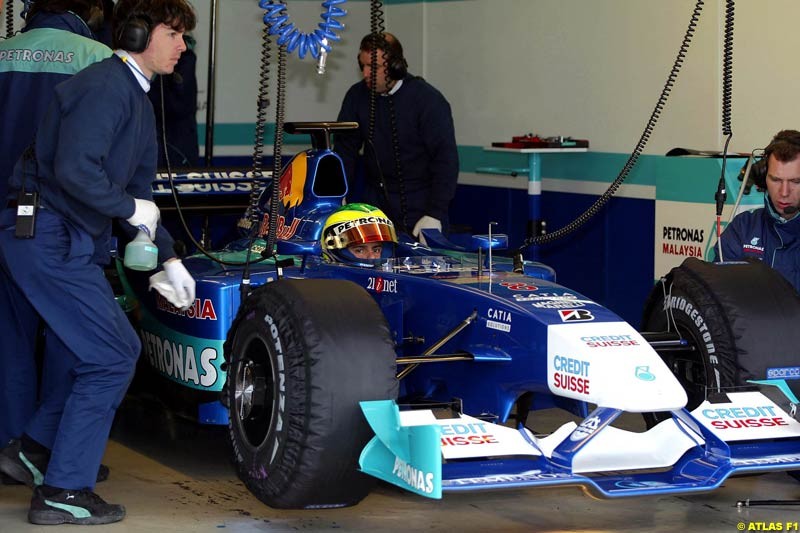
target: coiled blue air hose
277 19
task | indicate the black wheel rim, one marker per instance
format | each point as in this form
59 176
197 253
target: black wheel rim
255 394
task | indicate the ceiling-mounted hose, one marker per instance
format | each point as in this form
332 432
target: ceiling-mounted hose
277 20
637 151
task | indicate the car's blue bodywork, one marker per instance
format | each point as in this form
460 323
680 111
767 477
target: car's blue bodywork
500 336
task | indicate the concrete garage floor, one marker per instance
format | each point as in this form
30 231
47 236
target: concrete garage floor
173 476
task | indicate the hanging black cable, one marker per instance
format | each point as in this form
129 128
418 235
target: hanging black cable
727 68
378 42
398 166
9 18
250 217
277 150
174 190
727 94
376 28
249 220
640 146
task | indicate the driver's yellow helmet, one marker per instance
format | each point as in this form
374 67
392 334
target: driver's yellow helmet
354 224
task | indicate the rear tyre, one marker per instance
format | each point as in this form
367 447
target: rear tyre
302 354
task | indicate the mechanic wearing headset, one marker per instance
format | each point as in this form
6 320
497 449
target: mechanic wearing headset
411 164
94 160
358 234
772 233
66 28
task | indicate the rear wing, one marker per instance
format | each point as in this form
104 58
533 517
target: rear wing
208 188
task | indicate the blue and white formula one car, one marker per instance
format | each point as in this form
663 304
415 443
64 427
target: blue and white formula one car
414 370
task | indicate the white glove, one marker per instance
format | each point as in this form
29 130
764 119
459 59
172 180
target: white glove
145 217
425 222
175 284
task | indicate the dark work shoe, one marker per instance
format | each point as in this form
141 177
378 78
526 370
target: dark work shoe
27 468
72 507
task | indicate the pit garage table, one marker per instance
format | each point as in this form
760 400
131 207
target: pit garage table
534 171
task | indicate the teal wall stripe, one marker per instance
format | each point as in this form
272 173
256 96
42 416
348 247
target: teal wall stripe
695 179
679 178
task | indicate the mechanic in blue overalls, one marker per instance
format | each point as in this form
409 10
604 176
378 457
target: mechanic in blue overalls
411 161
56 42
772 233
93 161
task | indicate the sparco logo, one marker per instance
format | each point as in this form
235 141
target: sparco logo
680 305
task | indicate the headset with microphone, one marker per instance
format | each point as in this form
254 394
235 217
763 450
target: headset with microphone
396 64
758 172
133 33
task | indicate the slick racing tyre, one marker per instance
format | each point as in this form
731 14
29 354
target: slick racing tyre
739 318
303 354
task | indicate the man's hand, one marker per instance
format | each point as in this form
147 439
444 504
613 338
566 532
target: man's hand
175 284
425 222
145 217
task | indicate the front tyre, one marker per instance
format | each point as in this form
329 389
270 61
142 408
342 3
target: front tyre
684 305
303 354
740 318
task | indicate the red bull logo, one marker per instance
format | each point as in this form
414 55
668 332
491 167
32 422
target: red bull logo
283 231
293 181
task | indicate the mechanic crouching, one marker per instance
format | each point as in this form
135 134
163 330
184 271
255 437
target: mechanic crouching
93 160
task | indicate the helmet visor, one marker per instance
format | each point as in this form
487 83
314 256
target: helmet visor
363 233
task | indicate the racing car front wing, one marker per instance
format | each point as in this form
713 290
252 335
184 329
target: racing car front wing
693 451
